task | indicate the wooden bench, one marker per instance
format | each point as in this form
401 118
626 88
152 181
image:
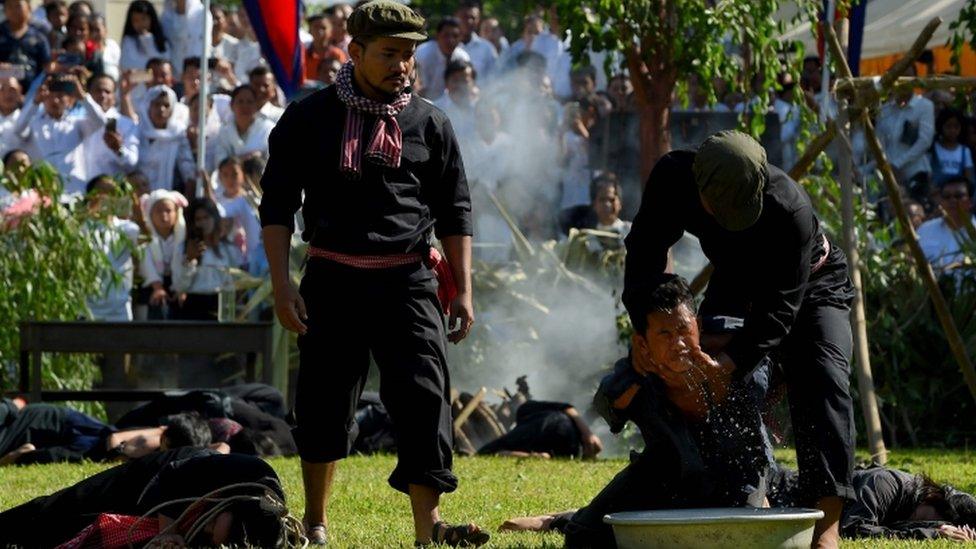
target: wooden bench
116 339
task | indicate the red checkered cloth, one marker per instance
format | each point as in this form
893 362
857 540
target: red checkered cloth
387 141
112 532
446 286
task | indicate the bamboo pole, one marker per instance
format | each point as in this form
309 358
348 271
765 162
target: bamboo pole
956 343
468 408
862 354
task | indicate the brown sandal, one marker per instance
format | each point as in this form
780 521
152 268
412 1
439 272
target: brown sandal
459 535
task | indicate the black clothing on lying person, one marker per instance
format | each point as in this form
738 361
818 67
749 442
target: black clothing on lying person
133 488
540 427
763 273
718 462
58 433
885 500
387 211
211 404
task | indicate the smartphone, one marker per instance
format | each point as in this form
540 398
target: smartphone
140 76
17 72
111 124
68 59
62 86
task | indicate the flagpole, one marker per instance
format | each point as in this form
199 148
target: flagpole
825 72
202 99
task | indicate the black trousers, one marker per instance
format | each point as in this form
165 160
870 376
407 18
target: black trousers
393 314
816 361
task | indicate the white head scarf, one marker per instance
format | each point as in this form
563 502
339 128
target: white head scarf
147 202
174 128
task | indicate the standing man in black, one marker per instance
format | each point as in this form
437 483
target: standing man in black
774 267
380 172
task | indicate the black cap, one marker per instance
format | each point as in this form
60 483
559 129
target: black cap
386 18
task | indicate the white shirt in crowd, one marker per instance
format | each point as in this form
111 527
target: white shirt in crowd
483 56
226 48
433 63
184 32
99 159
940 243
255 139
619 226
116 239
58 141
136 52
545 44
111 58
246 233
159 258
576 176
789 129
462 118
8 136
270 111
248 58
953 161
207 274
906 134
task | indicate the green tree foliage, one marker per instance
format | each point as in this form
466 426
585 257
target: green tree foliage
49 269
667 42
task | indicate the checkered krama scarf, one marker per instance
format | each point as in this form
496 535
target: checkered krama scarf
385 145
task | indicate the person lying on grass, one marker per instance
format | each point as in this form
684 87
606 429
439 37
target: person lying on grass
704 440
161 496
45 433
891 504
546 430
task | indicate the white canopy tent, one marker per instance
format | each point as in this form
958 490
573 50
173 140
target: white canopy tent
891 26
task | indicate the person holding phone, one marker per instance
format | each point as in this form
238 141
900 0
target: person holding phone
115 149
50 134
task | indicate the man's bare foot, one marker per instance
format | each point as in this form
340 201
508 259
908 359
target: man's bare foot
12 457
539 523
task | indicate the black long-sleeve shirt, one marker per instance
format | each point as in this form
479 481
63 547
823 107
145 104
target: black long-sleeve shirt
388 210
883 504
762 273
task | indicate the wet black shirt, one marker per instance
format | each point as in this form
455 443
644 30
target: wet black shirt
762 273
388 210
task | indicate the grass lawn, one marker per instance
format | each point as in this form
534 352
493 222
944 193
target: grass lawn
367 513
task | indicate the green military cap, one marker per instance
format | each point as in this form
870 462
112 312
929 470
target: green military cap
731 172
386 18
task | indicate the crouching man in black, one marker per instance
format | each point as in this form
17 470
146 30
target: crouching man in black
704 443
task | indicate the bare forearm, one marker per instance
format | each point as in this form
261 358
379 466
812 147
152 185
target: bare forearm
458 252
277 243
580 423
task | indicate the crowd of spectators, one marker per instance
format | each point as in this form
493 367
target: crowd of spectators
532 127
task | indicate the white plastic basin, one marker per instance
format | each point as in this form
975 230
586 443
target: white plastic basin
719 528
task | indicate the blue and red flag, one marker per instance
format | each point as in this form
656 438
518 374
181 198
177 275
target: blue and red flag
276 24
855 34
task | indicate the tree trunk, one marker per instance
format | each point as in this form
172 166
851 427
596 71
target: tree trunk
653 87
655 135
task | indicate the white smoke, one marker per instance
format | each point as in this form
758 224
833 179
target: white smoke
564 341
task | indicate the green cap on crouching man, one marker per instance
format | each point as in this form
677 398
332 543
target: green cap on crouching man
386 18
731 172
